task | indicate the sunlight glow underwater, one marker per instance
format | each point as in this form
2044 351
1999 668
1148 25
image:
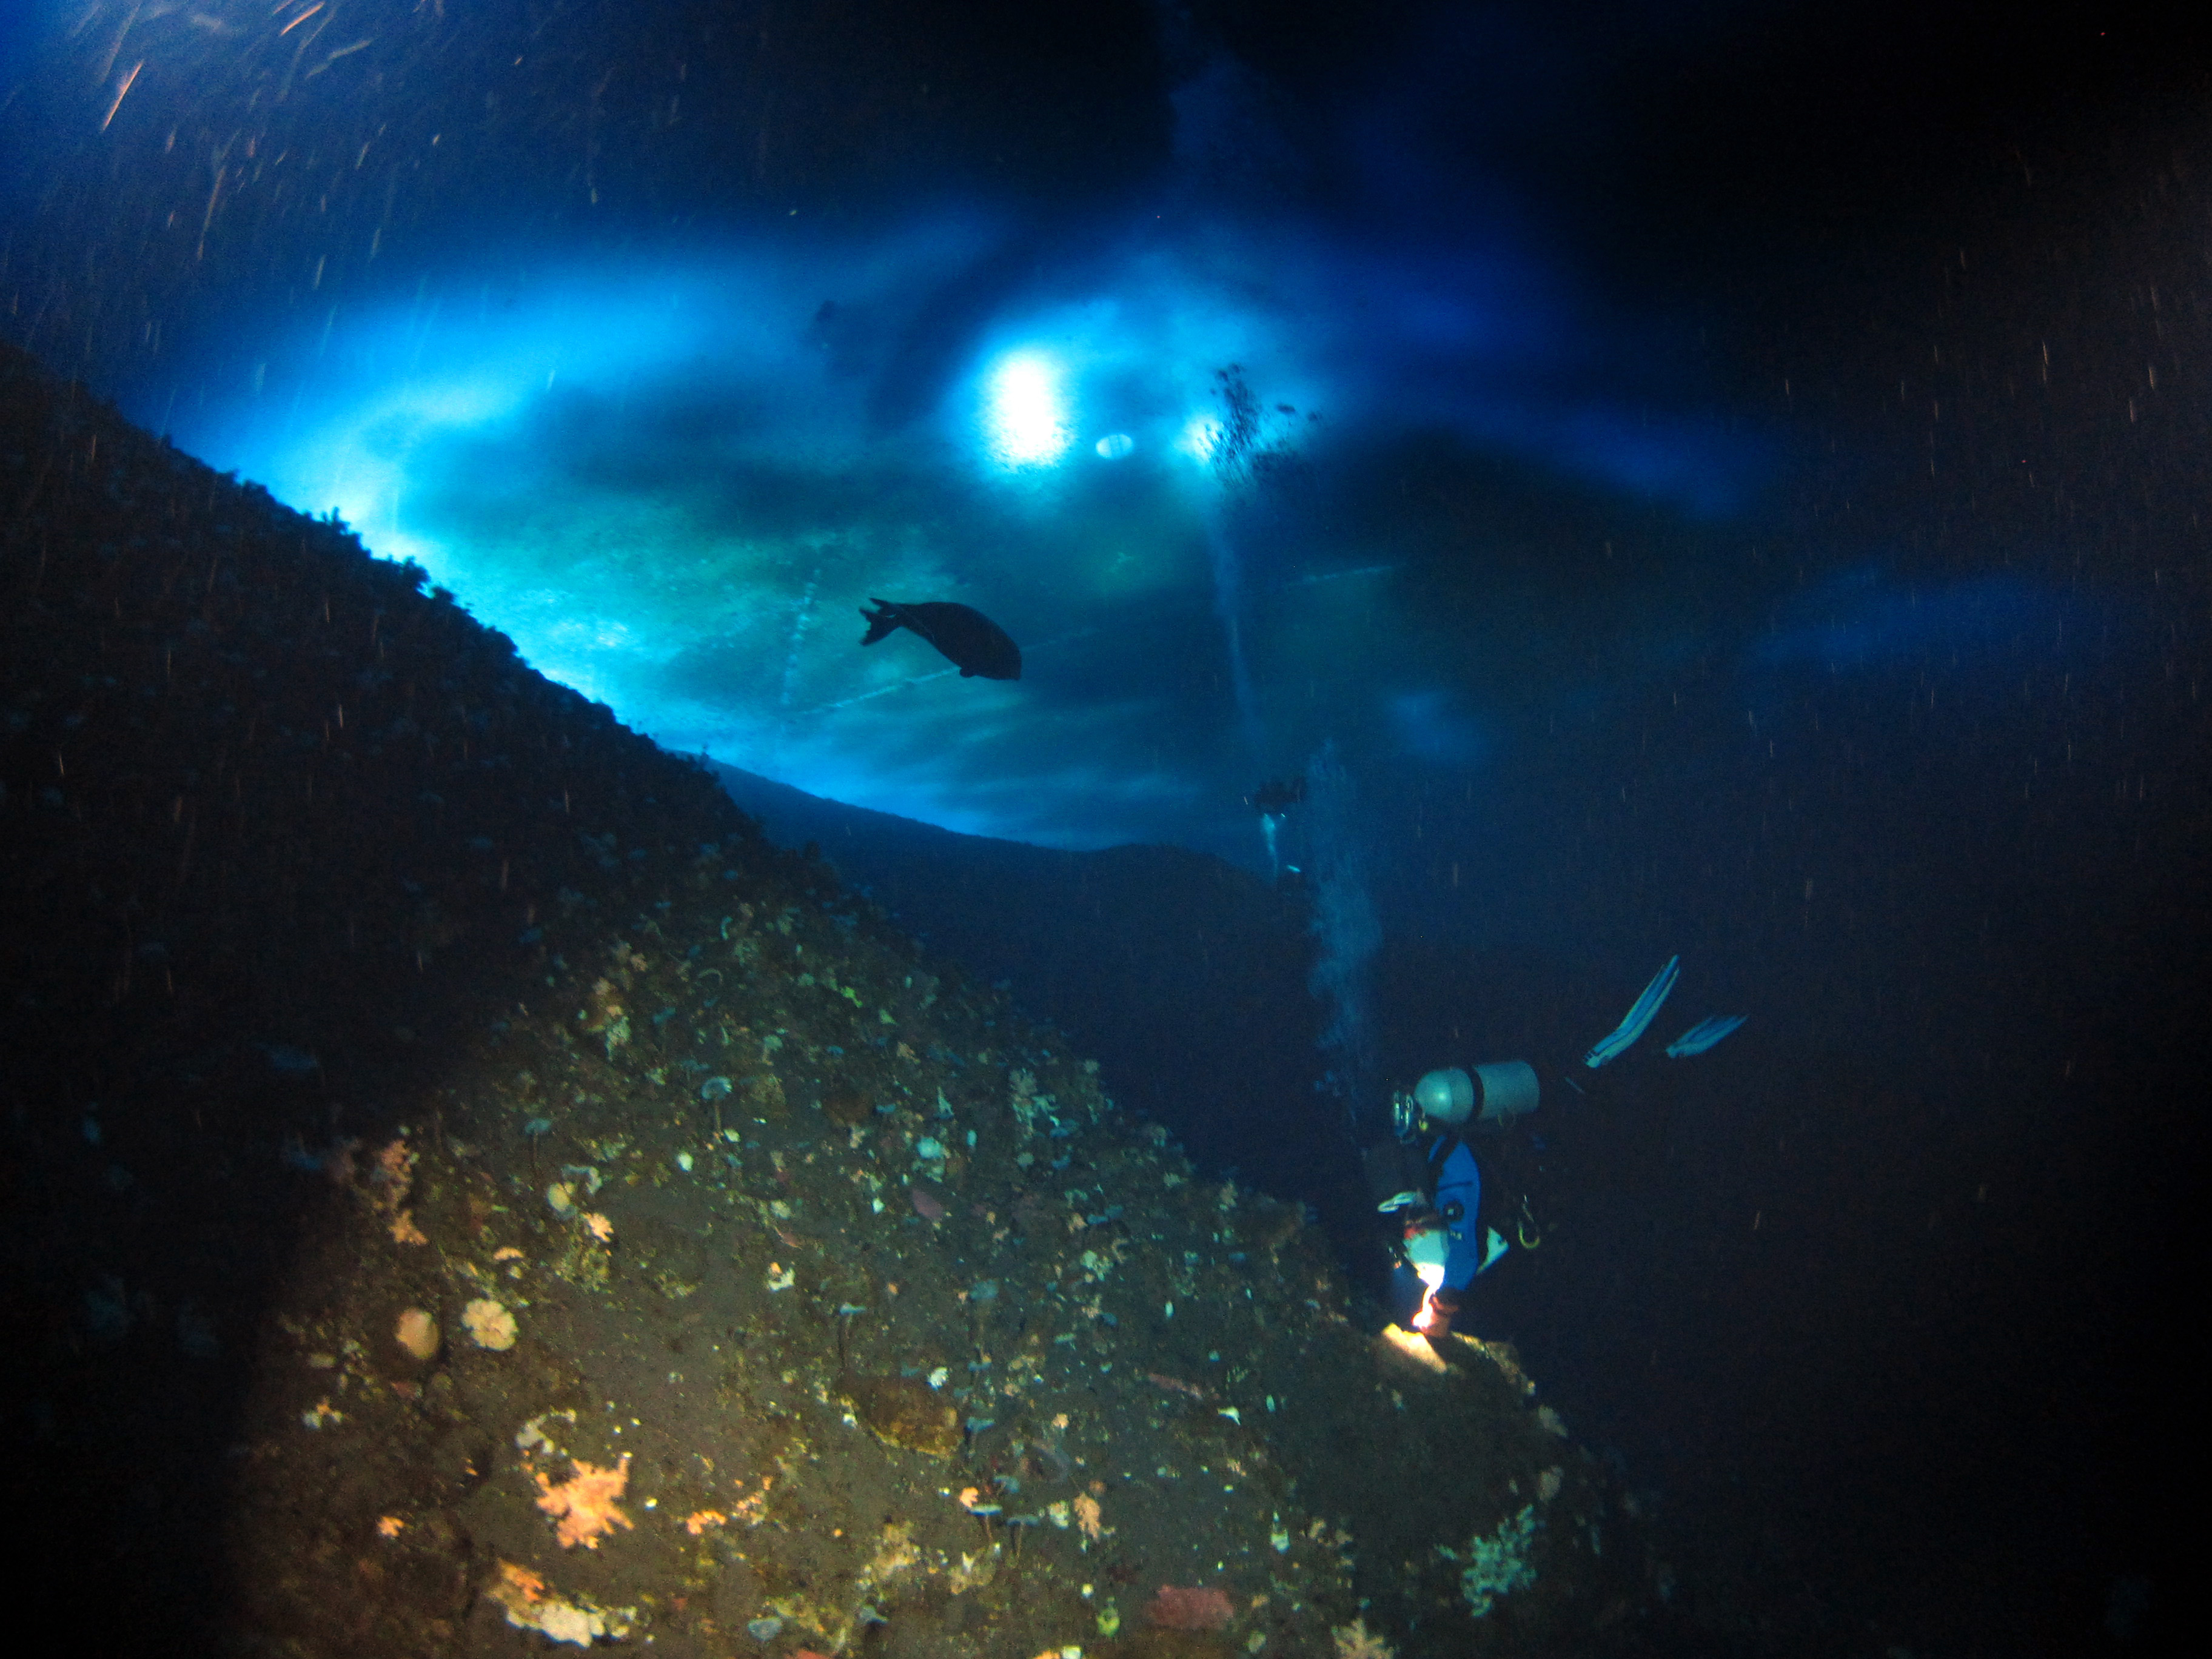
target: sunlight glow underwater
1028 411
512 453
640 474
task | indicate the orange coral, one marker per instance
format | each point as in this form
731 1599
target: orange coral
584 1501
389 1182
394 1172
754 1509
1086 1515
518 1586
699 1520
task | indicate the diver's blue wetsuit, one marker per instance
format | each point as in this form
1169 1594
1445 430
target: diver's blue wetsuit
1458 1198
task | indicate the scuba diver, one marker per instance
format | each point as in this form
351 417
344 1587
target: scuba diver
1273 801
1436 1189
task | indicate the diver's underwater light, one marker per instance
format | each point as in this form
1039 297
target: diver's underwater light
1026 411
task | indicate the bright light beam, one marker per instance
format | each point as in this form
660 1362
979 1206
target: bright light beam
1025 411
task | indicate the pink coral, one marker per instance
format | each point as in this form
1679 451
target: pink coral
1175 1608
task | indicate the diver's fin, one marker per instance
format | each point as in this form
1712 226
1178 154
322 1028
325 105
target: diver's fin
1639 1017
1703 1035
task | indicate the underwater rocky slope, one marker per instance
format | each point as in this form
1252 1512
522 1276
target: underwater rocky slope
467 1191
1183 975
